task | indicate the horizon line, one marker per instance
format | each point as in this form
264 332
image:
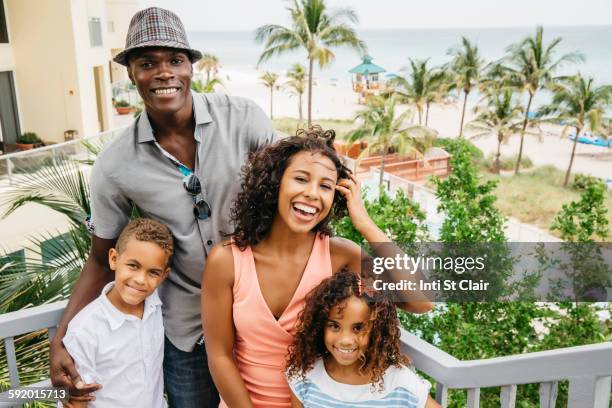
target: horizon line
430 28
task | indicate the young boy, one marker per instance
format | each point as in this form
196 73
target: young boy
118 339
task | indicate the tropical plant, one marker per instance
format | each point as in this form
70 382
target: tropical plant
313 29
297 84
384 129
122 103
531 65
420 87
499 117
62 188
397 215
584 220
465 69
577 103
210 64
269 79
28 138
469 204
206 87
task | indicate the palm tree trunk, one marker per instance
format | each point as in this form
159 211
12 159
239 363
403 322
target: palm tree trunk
496 166
310 67
300 107
465 95
207 75
271 102
419 109
426 114
569 168
520 154
382 168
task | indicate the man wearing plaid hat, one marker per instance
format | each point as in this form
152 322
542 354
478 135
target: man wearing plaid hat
179 163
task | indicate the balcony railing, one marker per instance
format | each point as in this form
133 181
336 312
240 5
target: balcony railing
31 160
588 368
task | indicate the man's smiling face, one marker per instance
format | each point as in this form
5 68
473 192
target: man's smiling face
162 77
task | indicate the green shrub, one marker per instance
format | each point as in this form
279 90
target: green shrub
507 163
583 181
452 146
29 138
122 103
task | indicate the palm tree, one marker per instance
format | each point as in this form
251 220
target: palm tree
579 104
500 117
269 79
384 129
206 87
531 65
465 68
421 87
315 30
297 84
437 89
210 64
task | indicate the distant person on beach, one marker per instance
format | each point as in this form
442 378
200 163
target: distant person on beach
254 285
179 163
101 337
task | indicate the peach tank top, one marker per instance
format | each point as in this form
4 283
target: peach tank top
261 341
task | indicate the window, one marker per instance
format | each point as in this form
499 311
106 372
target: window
95 32
55 248
3 27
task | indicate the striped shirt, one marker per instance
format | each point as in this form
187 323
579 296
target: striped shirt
402 388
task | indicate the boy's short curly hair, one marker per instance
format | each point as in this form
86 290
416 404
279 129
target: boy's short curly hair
261 179
309 342
146 230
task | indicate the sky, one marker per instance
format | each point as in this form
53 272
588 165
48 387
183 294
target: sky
222 15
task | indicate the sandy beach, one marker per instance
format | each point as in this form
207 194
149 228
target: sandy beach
338 101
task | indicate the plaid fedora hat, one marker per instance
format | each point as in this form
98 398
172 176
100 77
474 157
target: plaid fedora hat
156 27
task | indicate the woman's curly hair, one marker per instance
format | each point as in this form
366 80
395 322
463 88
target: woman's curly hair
255 207
309 343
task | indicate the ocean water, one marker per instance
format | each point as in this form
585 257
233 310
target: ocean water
391 49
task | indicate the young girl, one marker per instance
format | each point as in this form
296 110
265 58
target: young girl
254 286
346 352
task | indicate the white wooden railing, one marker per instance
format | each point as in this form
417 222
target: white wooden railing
588 368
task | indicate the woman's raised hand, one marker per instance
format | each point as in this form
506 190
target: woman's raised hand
350 188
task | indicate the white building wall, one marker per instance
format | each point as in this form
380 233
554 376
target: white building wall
87 57
119 13
45 67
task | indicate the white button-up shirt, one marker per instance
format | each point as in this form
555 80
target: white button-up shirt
120 351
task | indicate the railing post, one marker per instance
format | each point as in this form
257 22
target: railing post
473 397
11 358
589 392
508 396
548 394
442 394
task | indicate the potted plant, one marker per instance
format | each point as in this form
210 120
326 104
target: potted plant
27 141
123 107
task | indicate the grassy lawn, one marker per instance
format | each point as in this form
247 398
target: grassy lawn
290 125
536 197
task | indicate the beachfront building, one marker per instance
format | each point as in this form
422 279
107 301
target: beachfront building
366 78
55 66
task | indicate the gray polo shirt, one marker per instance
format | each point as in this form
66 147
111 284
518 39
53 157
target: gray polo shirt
131 168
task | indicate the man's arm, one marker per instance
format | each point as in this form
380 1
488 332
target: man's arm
96 273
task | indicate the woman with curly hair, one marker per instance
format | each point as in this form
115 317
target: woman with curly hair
347 353
254 286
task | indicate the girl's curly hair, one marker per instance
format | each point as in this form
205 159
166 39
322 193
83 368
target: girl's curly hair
309 344
255 207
